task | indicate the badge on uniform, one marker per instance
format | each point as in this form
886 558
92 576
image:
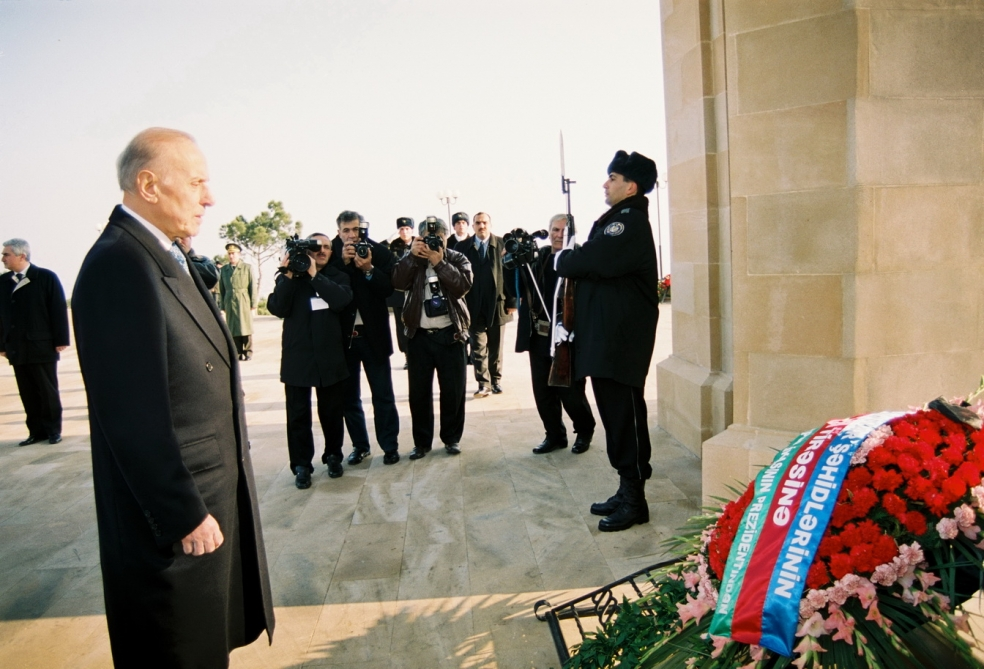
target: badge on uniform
614 229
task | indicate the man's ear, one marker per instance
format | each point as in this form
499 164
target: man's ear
632 189
148 186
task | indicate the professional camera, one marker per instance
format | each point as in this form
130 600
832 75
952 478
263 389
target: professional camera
361 245
520 247
432 239
298 260
437 303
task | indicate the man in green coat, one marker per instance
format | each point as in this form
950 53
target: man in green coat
237 298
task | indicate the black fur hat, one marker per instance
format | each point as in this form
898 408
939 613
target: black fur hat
635 167
460 216
404 222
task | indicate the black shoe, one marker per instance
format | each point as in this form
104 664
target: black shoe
633 510
452 449
546 446
241 357
496 389
482 392
391 458
609 506
357 456
54 439
419 452
406 363
581 444
334 463
30 440
302 478
248 356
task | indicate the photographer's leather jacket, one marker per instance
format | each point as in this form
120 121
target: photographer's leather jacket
455 274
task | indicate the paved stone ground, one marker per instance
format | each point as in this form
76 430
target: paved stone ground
433 563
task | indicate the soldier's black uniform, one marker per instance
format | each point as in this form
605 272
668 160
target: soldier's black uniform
616 309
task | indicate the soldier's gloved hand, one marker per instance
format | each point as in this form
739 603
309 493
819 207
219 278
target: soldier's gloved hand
561 334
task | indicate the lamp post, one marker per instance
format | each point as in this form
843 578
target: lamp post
447 198
659 227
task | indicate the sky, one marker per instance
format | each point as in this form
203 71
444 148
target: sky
370 105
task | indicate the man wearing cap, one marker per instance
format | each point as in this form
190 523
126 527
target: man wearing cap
238 299
398 248
616 309
462 229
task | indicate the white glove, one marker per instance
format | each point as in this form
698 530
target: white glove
561 334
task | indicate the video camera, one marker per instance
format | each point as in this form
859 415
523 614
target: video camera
520 247
298 260
432 238
361 245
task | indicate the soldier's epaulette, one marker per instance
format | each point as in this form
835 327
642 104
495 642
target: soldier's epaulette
626 210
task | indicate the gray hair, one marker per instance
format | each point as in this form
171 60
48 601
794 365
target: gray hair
349 216
19 247
558 217
142 151
442 228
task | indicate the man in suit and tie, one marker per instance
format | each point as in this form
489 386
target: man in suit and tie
488 304
33 332
183 565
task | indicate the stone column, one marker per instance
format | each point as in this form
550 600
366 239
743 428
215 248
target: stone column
856 173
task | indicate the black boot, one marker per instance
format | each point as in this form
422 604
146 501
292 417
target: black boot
633 509
608 507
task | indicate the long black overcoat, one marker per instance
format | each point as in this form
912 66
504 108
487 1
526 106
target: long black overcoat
169 446
311 346
487 300
369 296
615 301
33 317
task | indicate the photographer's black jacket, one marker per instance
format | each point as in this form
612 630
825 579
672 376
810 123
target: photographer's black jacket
616 303
487 299
368 296
529 301
311 354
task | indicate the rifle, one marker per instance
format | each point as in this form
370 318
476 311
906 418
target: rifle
562 368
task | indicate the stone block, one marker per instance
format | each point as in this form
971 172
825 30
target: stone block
732 458
897 382
926 311
805 62
689 179
793 315
807 232
902 142
681 31
945 60
794 392
687 132
744 15
692 236
922 227
790 150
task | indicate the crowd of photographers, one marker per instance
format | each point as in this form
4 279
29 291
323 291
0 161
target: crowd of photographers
452 291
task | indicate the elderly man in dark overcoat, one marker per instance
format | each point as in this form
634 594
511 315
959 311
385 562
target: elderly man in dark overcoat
489 304
616 309
183 563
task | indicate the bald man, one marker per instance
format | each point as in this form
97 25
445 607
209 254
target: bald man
183 564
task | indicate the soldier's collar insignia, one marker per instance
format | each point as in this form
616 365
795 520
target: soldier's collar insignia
626 210
614 229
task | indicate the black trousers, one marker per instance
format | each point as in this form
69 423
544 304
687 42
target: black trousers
401 334
549 399
386 419
300 439
623 413
38 387
427 352
486 353
244 344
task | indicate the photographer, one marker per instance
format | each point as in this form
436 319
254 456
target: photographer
366 336
310 296
436 280
533 335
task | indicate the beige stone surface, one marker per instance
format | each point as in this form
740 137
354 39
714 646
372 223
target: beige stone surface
745 15
432 563
806 232
795 392
790 150
805 62
733 457
947 61
910 141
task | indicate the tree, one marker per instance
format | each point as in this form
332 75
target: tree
264 236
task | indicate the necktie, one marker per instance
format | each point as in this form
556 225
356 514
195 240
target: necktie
179 256
19 277
483 250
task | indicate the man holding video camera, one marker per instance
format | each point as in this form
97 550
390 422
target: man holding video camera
435 314
539 281
366 336
310 295
616 308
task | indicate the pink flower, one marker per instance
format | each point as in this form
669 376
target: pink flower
694 608
911 554
838 594
719 643
811 627
757 652
947 527
885 574
816 598
875 616
806 609
875 439
927 579
966 519
962 622
844 626
977 492
691 579
867 593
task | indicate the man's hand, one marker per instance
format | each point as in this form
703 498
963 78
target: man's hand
58 348
312 269
3 353
203 539
421 250
362 264
510 310
283 263
348 254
